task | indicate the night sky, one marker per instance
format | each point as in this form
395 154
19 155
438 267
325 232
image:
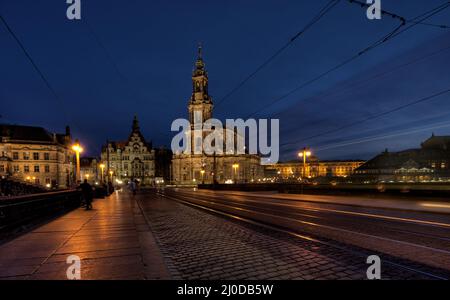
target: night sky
136 57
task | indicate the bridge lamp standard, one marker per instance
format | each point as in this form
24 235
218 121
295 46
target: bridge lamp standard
203 176
304 154
78 149
235 167
102 168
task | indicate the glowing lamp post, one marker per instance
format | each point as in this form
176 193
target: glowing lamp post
305 153
102 168
203 176
78 149
235 167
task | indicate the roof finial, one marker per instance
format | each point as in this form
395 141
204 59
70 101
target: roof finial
135 126
200 50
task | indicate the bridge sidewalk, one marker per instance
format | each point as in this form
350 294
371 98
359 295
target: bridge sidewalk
113 241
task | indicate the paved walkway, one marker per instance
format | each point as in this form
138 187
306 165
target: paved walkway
113 241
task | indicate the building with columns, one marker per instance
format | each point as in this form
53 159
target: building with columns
130 159
193 168
294 171
34 155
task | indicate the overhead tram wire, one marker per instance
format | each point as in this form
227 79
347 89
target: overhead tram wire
394 33
366 5
109 58
35 66
377 76
328 7
372 138
373 117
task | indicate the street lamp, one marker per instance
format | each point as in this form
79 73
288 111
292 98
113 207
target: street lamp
235 167
111 174
203 176
102 167
304 154
78 149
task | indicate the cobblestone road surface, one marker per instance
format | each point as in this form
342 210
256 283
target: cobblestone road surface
200 245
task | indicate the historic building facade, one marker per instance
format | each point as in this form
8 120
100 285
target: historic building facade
130 159
192 168
34 155
314 168
430 163
90 169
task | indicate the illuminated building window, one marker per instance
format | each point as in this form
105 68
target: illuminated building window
26 169
26 155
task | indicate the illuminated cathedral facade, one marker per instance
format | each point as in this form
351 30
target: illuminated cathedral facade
196 168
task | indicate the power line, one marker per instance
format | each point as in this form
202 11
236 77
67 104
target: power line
330 5
36 68
382 137
376 116
379 42
379 75
383 12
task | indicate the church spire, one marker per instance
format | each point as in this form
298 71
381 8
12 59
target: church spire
199 69
200 80
135 126
200 100
199 56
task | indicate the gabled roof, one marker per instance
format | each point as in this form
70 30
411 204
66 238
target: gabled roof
135 129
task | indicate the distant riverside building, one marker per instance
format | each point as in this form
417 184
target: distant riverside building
190 168
90 170
430 163
37 156
294 170
130 159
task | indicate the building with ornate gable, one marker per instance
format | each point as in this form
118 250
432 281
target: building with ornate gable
130 159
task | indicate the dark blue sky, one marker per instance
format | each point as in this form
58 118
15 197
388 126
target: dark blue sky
153 45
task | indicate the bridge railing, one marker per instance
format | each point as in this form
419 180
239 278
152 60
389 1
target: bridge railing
16 211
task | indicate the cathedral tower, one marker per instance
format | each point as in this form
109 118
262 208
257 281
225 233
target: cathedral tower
200 100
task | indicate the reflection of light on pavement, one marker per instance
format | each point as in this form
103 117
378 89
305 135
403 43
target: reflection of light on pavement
435 205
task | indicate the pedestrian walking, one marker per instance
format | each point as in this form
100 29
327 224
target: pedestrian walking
88 194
